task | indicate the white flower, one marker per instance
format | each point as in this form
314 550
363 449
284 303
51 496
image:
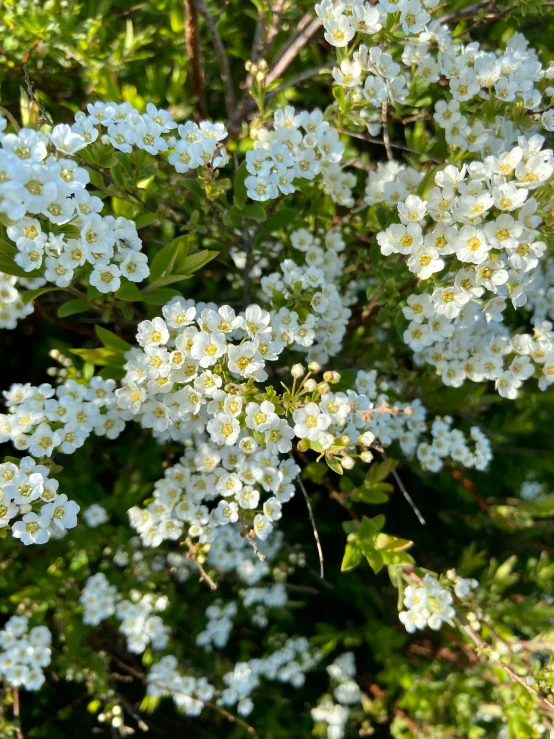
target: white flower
32 529
310 422
62 512
106 278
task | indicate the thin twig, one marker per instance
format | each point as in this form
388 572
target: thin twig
203 574
226 714
314 527
5 112
193 51
375 140
222 57
482 644
45 117
403 490
385 122
292 51
298 79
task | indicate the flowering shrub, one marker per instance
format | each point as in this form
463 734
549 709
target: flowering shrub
277 369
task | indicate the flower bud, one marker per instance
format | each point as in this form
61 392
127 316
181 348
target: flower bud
310 385
297 371
366 456
314 367
347 462
331 376
323 387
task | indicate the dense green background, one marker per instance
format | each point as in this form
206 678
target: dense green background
79 52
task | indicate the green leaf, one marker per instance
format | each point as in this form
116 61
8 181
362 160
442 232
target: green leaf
367 530
128 312
103 357
254 213
193 262
194 186
315 471
73 307
379 472
9 267
277 221
128 291
373 494
371 553
109 339
146 219
165 259
388 543
334 464
239 188
160 295
352 557
112 373
166 280
30 295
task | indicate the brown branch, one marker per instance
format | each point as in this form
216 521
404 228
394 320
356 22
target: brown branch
203 574
292 51
298 79
375 140
514 677
305 30
221 54
193 50
16 713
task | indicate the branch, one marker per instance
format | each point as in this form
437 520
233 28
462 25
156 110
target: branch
221 54
514 677
292 51
45 117
226 714
384 121
374 140
203 574
405 493
308 74
314 527
193 51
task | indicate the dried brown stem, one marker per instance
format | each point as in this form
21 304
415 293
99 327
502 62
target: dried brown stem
221 54
193 50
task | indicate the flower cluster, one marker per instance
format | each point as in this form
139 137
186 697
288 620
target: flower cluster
430 603
12 307
343 20
481 249
188 693
391 183
312 315
300 146
26 490
334 716
138 616
219 626
58 228
198 145
430 55
390 420
43 420
289 664
25 653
